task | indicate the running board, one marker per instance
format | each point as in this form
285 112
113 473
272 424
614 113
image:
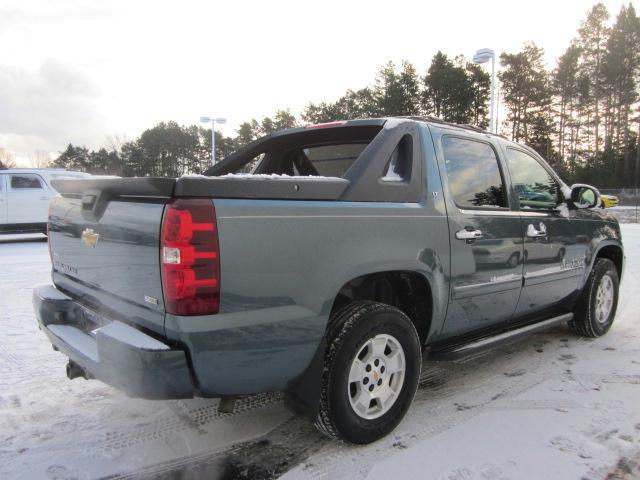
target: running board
496 340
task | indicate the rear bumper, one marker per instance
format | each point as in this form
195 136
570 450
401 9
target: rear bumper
112 351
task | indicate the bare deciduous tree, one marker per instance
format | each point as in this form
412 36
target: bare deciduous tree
7 160
41 159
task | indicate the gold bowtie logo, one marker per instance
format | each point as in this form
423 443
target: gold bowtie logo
90 238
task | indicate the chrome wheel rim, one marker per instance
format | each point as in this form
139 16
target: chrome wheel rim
376 376
604 299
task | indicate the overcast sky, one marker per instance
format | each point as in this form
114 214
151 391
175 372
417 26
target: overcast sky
81 70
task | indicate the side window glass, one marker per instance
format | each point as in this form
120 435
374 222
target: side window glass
473 173
531 181
25 181
399 166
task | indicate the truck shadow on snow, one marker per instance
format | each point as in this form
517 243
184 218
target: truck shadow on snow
499 373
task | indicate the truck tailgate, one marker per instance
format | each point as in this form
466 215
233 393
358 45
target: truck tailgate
106 254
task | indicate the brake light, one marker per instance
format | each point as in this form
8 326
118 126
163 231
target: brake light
326 125
190 257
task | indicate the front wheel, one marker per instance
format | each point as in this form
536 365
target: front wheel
596 308
372 366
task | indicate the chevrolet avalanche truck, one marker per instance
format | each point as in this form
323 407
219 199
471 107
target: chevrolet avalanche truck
325 262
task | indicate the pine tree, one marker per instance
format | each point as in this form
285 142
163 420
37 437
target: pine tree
565 88
621 68
525 89
409 98
592 37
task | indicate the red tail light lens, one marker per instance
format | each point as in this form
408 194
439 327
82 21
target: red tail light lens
326 125
190 257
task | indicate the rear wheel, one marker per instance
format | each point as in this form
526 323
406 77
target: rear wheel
596 309
514 260
372 365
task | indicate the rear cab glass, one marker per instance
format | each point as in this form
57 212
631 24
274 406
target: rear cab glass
331 160
304 152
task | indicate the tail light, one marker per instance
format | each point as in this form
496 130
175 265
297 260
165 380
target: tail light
190 257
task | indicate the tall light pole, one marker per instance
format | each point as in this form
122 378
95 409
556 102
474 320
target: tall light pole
483 56
213 121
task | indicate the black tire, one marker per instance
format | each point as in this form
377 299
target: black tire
348 331
514 260
584 321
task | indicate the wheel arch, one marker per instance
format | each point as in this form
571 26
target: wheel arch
303 394
611 250
409 291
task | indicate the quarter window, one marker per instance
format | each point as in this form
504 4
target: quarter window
473 173
534 186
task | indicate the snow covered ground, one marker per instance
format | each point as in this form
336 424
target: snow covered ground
626 214
551 406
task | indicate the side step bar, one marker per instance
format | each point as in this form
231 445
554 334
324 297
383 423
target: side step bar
485 343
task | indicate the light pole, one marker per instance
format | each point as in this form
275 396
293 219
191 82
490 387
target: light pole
483 56
213 121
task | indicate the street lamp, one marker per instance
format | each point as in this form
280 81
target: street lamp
213 121
483 56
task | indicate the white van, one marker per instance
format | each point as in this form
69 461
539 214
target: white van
25 195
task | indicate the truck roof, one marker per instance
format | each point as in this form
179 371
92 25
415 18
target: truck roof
36 170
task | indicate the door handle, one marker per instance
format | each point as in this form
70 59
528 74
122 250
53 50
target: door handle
534 233
468 234
44 198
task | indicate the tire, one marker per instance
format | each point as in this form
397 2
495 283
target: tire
590 318
514 260
343 412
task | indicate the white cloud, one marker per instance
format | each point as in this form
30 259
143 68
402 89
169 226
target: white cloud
80 70
44 107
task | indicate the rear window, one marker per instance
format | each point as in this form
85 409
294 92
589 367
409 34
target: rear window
313 161
332 160
24 181
325 152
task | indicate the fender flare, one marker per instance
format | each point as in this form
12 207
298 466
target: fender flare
609 242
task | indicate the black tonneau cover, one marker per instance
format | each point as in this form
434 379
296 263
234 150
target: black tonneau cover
117 187
100 191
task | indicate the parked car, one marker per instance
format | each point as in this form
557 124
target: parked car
608 201
25 194
330 272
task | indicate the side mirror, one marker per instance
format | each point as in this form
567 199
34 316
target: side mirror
584 196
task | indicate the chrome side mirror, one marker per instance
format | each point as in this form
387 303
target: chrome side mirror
584 196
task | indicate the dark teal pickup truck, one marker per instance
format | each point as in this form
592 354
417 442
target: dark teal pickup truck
325 262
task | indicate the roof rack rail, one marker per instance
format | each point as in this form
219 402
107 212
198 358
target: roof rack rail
464 126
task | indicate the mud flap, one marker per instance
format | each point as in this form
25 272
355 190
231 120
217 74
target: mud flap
302 395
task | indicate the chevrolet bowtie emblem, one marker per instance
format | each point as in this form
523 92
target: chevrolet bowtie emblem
90 238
